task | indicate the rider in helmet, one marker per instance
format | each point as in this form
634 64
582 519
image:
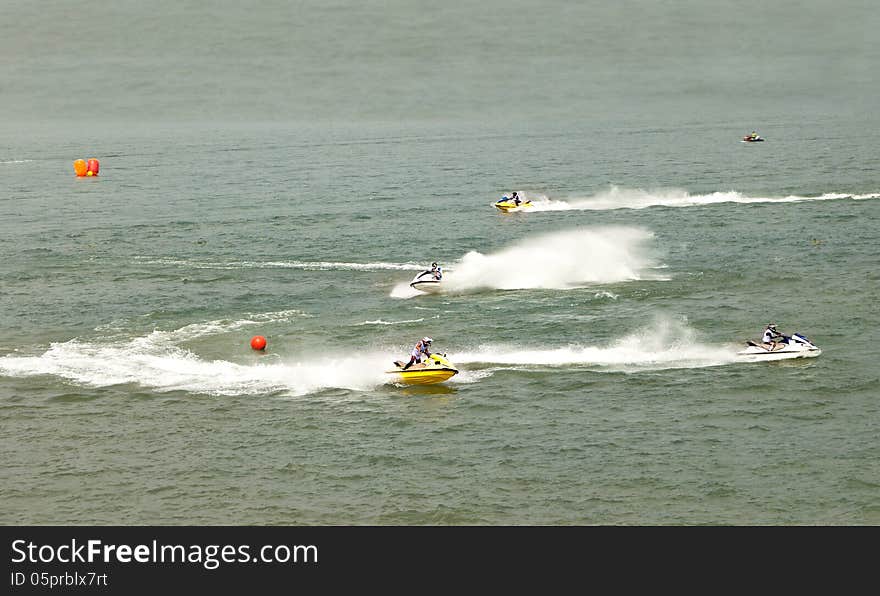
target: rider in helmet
436 270
770 337
420 348
516 198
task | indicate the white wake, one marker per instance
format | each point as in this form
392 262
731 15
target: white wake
559 260
665 343
622 198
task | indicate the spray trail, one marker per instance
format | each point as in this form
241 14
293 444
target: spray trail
177 369
560 260
665 344
620 198
301 265
383 322
157 362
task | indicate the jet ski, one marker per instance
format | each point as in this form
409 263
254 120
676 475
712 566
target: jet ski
794 346
507 204
752 139
426 282
435 370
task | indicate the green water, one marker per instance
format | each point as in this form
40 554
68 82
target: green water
285 171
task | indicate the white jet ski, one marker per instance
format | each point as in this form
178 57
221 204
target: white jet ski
426 282
794 346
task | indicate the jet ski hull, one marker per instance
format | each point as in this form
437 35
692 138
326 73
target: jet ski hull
426 282
433 286
755 353
510 206
796 346
436 370
427 376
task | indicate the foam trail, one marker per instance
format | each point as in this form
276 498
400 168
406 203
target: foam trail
382 322
302 265
560 260
155 362
196 330
664 344
618 198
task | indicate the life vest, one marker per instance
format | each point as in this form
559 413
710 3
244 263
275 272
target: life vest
420 349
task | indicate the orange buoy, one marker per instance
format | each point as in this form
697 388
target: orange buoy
258 342
80 167
93 167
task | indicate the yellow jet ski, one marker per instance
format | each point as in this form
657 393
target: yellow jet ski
436 370
509 204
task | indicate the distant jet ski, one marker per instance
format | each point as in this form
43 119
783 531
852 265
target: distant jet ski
752 139
794 346
435 370
426 282
509 204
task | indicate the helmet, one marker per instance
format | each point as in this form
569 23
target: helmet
771 326
427 340
434 264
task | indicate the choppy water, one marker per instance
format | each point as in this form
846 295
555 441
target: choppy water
285 171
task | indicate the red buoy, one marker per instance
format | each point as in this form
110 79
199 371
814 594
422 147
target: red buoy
258 342
92 167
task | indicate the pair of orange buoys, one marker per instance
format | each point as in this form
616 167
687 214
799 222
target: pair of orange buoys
86 168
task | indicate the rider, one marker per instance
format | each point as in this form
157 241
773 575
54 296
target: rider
420 348
436 271
771 335
515 198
